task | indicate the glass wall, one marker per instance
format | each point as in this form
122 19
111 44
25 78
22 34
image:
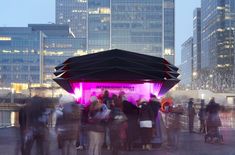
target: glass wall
98 25
19 55
169 30
137 26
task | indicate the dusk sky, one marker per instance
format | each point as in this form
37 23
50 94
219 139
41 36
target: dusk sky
22 12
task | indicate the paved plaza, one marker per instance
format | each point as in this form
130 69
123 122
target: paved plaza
190 144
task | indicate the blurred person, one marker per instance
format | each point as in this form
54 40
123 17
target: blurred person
131 112
67 127
191 115
38 112
146 119
213 121
120 98
117 124
202 117
82 141
173 125
23 128
97 117
155 105
107 101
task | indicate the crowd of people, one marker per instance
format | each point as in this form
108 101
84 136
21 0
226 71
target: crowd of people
110 121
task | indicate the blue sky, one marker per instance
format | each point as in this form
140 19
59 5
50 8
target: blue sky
22 12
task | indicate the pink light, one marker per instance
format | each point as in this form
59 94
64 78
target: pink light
78 91
133 91
156 89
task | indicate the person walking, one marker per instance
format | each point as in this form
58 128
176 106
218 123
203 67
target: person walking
173 125
202 117
98 114
146 119
67 128
23 128
117 122
213 121
37 114
191 115
131 111
155 105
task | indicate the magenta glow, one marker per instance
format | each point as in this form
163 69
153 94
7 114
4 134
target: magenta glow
133 92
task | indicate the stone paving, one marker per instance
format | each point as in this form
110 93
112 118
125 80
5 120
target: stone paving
190 144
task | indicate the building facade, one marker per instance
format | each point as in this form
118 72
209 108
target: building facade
169 30
218 20
29 54
196 41
74 14
140 26
186 67
217 44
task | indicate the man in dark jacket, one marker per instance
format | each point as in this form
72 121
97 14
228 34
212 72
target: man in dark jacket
155 105
191 115
146 118
131 112
23 127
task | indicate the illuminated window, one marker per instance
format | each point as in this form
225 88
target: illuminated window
5 38
168 52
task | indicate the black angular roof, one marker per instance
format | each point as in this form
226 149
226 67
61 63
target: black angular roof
116 66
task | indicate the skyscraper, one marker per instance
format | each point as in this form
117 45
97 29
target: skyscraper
186 67
169 30
99 20
217 48
74 14
140 26
196 40
218 20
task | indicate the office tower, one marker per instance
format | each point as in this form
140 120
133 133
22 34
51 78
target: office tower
186 67
217 48
29 54
140 26
196 41
169 30
74 14
99 18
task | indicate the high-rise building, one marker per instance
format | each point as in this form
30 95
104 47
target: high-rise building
218 21
74 14
140 26
186 67
196 41
99 18
217 44
169 30
29 54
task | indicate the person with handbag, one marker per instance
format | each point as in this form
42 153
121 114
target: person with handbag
146 119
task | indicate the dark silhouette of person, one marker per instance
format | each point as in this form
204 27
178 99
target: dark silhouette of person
131 112
191 115
23 127
202 117
155 106
37 129
67 128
